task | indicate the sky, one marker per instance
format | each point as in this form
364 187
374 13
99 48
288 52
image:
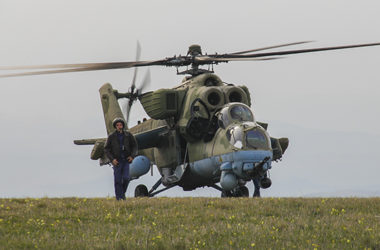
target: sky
326 103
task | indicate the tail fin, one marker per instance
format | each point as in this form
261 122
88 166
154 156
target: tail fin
111 107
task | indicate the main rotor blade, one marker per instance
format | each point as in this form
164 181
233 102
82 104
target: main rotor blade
269 47
289 52
89 67
205 60
55 66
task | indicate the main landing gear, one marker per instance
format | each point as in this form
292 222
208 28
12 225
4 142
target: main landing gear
142 191
240 191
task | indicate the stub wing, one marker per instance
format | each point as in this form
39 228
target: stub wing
151 138
147 139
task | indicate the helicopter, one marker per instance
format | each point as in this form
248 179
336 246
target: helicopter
201 133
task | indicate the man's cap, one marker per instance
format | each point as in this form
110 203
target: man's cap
116 120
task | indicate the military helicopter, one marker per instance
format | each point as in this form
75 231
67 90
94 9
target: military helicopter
201 132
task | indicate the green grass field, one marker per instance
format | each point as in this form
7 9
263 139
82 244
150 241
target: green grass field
190 223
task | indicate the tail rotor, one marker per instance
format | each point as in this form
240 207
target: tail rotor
134 92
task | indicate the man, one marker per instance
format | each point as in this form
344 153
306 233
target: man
120 148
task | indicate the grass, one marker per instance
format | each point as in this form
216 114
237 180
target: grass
190 223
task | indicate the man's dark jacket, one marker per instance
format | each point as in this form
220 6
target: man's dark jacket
112 147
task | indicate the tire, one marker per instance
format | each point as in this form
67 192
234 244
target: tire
244 192
141 191
225 194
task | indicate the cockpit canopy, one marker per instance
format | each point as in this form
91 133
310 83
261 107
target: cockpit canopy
235 112
247 136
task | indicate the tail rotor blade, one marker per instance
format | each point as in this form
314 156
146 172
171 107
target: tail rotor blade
145 83
128 105
128 109
138 55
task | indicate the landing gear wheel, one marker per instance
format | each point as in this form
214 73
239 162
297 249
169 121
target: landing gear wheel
141 191
238 192
243 191
226 194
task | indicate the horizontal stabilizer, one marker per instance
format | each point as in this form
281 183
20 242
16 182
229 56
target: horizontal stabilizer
88 141
146 139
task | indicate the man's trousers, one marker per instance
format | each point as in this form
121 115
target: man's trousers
121 179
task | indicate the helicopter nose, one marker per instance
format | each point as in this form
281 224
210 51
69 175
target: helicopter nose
246 162
245 165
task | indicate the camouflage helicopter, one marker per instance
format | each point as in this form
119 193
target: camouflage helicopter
201 132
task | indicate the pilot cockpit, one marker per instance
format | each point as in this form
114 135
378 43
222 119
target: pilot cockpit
235 113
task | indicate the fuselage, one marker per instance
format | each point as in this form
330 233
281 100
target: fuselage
200 133
239 144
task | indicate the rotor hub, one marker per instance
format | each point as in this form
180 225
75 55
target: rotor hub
194 50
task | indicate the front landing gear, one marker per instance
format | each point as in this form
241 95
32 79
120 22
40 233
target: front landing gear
256 184
141 191
244 192
265 182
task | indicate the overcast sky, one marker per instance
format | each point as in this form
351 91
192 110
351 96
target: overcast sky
326 103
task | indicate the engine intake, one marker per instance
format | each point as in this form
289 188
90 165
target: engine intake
235 94
213 97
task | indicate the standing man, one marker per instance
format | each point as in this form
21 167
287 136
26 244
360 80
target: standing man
120 148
